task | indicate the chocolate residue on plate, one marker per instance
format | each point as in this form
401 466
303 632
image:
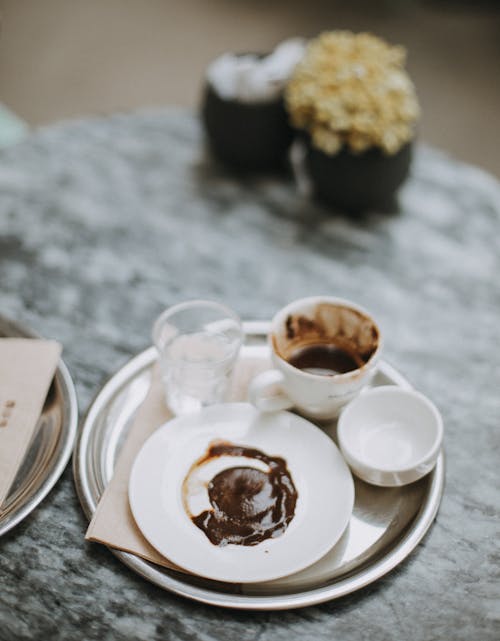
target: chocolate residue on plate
248 504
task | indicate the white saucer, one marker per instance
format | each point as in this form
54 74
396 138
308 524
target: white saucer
322 479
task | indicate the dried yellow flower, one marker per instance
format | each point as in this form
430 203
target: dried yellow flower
352 90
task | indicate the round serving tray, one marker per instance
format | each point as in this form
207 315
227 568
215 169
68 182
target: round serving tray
386 524
51 445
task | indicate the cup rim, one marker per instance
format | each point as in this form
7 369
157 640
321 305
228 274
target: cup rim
179 307
340 302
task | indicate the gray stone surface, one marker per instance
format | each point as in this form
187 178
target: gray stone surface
105 222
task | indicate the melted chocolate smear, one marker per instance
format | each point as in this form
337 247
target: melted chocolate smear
249 505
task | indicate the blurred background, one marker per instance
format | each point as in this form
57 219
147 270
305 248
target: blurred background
63 59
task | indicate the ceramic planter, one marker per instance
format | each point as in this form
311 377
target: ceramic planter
357 182
247 137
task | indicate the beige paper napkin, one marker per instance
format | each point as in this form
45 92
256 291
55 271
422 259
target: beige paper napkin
27 367
113 523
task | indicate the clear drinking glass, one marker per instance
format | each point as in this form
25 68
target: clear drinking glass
198 342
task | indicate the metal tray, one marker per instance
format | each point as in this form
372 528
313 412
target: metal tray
386 525
51 445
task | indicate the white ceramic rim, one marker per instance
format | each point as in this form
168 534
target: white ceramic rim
384 390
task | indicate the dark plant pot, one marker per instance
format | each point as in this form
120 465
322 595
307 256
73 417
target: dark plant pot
246 137
357 182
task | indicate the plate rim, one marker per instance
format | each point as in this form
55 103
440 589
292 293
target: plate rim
57 464
420 525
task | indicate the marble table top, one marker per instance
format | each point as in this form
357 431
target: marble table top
104 222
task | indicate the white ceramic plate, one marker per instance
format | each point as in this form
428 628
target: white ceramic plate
322 479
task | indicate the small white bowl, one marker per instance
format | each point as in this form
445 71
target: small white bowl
390 436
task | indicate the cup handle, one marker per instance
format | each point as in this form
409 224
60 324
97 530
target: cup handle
264 397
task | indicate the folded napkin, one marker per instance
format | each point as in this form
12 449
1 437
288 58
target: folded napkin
27 367
113 523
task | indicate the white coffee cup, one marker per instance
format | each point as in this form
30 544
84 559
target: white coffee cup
332 325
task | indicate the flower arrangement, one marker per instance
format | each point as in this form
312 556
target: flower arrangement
352 91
